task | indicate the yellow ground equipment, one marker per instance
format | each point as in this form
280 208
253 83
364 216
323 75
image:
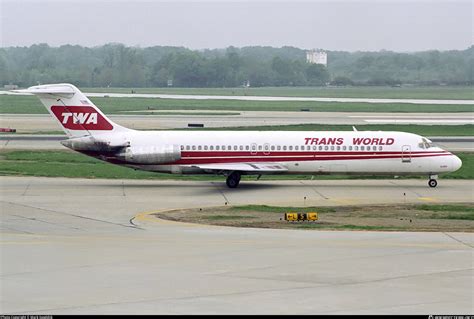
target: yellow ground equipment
311 216
291 217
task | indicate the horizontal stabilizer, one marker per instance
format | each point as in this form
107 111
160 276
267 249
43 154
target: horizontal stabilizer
47 89
74 112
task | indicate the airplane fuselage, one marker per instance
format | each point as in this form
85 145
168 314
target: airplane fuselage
353 152
236 153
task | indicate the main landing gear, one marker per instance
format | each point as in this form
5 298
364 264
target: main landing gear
233 180
433 182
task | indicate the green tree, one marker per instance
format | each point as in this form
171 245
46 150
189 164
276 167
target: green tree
317 74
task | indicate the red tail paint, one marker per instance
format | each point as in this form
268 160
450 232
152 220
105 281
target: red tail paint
81 118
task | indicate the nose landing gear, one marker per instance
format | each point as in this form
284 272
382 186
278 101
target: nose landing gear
233 180
433 182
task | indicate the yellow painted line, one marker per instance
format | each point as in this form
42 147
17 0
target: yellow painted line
4 234
326 243
2 242
322 242
145 216
428 199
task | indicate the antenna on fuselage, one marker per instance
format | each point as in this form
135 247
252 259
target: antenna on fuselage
354 129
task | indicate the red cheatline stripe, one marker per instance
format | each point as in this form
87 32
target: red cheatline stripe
290 159
294 153
270 158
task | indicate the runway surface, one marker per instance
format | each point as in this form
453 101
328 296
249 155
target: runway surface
270 98
44 122
77 246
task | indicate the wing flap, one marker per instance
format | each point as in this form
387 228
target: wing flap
256 168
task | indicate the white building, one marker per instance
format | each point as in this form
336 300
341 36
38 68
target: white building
317 56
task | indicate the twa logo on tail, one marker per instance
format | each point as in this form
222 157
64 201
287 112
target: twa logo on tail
81 118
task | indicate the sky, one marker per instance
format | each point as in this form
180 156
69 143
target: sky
346 25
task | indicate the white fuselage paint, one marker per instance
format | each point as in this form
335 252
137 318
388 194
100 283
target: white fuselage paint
244 152
395 153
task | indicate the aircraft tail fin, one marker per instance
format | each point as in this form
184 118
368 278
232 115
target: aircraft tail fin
76 114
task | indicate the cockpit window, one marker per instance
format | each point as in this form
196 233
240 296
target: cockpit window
425 143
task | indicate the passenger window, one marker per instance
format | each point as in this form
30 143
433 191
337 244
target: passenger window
380 148
284 147
199 147
182 147
362 148
344 147
356 148
296 147
308 148
194 147
211 147
278 147
326 148
241 147
235 147
374 148
223 147
247 147
332 147
217 147
320 148
350 147
272 147
290 147
205 147
260 147
338 148
314 147
188 147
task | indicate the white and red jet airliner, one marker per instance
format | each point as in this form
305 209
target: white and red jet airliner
233 154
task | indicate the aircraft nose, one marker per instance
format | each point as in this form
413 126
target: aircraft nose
456 163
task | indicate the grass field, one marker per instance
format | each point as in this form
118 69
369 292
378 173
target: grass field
425 130
457 211
404 217
429 92
283 209
71 164
10 104
187 113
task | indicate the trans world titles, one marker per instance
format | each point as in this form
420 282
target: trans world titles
355 141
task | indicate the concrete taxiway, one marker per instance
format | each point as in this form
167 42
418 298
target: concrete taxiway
78 246
270 98
44 122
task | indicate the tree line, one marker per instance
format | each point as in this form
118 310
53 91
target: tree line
117 65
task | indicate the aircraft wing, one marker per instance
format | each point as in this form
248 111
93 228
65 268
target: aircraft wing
253 168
